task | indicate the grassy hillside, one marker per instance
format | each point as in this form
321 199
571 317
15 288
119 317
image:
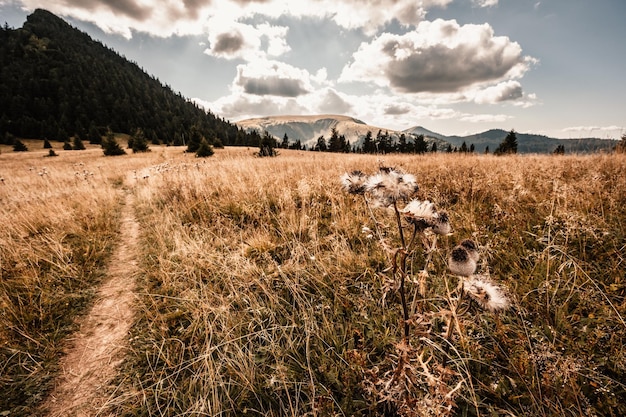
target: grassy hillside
263 294
57 82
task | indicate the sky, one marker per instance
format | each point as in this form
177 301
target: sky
456 67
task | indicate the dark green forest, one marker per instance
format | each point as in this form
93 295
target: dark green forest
56 82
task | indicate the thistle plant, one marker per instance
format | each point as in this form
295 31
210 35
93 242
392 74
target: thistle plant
419 223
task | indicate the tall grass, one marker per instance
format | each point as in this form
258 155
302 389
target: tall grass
59 225
262 296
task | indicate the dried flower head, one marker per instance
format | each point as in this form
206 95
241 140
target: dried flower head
423 214
441 225
390 185
472 248
488 295
461 263
354 182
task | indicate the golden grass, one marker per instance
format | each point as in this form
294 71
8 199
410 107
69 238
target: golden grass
260 294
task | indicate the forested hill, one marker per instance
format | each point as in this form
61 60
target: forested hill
57 82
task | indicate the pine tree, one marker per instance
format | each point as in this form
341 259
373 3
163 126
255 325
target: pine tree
508 145
205 149
368 143
267 145
94 136
18 146
138 141
560 150
110 146
285 143
420 144
67 146
334 143
77 144
321 146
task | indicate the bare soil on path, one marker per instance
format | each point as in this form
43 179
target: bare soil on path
96 350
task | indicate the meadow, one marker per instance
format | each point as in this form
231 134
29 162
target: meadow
266 289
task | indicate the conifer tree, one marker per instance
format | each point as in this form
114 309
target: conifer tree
321 146
46 144
93 135
205 149
267 145
420 144
285 143
110 146
138 141
368 143
19 146
77 144
508 145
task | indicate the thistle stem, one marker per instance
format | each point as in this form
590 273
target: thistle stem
400 229
405 308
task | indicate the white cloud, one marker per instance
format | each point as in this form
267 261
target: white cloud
592 128
267 77
437 57
167 17
234 40
485 3
504 91
484 118
160 18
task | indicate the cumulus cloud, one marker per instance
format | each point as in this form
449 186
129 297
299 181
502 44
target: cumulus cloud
331 101
272 78
162 18
504 91
244 106
234 40
440 56
167 17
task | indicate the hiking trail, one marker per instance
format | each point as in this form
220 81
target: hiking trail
97 349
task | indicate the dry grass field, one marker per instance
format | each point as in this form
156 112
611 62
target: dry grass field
266 289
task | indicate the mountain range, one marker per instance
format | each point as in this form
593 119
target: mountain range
309 128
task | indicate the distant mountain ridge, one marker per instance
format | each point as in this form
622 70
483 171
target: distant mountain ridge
308 128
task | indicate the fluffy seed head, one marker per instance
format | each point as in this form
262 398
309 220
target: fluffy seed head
461 263
390 185
441 225
472 248
423 214
488 295
354 182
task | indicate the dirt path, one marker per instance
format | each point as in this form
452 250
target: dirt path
97 349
